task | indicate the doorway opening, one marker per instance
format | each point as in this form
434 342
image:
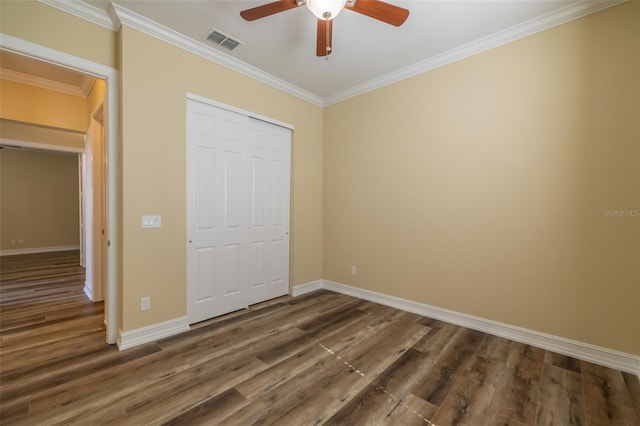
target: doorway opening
104 239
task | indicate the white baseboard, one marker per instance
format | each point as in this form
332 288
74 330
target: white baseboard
129 339
301 289
38 250
584 351
88 291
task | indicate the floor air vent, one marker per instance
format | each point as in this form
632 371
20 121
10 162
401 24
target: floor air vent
221 39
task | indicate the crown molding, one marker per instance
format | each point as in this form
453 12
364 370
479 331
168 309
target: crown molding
516 32
83 10
123 16
43 83
119 15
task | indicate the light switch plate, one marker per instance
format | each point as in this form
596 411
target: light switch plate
151 222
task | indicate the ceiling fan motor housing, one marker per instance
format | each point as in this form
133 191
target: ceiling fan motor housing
325 9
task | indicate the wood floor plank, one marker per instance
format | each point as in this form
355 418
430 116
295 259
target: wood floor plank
377 405
313 326
428 377
170 402
104 388
271 405
512 354
607 400
224 337
469 402
633 387
367 364
374 406
321 358
282 372
69 370
371 337
210 410
14 409
313 410
563 361
222 325
561 399
410 410
30 355
300 361
518 392
437 338
374 353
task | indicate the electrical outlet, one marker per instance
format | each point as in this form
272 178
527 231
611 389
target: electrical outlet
20 241
145 303
354 271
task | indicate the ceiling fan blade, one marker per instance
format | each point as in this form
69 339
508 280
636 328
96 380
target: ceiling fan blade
325 35
381 11
268 9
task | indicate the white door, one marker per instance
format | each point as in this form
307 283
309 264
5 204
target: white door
81 207
235 193
270 156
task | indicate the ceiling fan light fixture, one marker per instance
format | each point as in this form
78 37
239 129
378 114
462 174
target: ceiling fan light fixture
325 9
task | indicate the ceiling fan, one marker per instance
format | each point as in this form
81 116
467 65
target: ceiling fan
326 10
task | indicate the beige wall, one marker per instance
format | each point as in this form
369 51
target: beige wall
154 169
30 104
44 25
20 131
38 199
481 186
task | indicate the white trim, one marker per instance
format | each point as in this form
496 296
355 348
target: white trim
41 146
584 351
231 108
305 288
140 336
112 171
568 13
55 57
43 83
123 16
83 10
11 252
87 291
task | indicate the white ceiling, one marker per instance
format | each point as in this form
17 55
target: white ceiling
366 53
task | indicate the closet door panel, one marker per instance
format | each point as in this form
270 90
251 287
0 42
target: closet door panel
216 241
270 148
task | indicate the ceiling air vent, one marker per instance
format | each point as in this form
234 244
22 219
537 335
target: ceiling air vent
221 39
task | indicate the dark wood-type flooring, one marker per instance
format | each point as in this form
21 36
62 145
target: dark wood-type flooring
322 358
